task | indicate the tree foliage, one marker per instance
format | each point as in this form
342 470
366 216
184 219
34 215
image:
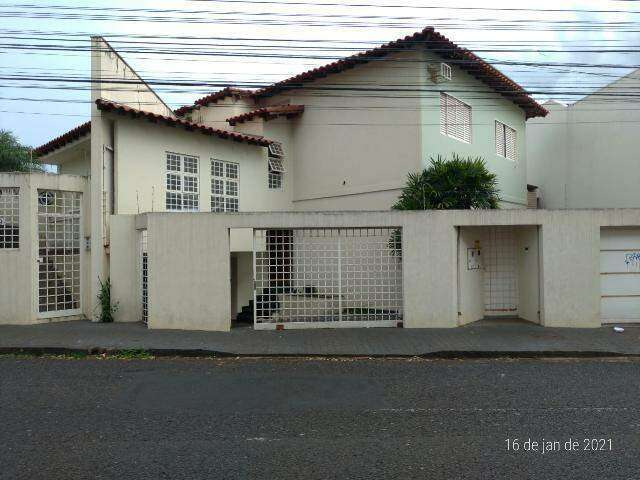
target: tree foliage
459 183
15 157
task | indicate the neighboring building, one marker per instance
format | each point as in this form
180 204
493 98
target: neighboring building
585 155
317 141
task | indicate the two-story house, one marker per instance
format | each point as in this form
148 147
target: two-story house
338 137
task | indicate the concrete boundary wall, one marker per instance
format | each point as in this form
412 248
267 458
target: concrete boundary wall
189 261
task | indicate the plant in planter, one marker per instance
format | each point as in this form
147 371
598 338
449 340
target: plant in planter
107 309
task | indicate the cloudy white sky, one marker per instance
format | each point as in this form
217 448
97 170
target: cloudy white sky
228 35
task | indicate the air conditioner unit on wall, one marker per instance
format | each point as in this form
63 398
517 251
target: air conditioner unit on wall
439 72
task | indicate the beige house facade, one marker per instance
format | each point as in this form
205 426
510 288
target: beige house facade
209 213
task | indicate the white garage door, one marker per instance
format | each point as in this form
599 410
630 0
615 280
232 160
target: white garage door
620 275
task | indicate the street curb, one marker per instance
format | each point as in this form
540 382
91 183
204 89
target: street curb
195 353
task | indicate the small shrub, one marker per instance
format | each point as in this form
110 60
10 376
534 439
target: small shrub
107 309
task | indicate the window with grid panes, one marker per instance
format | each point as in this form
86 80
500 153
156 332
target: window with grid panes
276 172
455 118
9 218
182 183
506 140
225 178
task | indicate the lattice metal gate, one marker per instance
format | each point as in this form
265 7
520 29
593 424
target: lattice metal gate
500 274
327 277
144 277
59 273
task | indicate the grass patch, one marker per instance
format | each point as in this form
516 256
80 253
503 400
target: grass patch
130 355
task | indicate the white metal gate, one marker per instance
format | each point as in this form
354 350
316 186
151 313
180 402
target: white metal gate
500 274
59 273
144 277
327 277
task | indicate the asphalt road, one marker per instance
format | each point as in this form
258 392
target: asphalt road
317 419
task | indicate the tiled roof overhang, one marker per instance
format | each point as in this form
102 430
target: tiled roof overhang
107 106
65 139
214 97
435 42
267 113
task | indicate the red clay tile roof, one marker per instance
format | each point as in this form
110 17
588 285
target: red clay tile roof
62 140
214 97
428 37
443 47
107 106
268 113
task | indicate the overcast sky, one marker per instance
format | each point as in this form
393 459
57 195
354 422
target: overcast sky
37 111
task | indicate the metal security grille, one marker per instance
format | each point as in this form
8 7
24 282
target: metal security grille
500 275
144 277
9 218
336 277
58 253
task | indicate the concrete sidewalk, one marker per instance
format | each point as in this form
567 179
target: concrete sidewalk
485 338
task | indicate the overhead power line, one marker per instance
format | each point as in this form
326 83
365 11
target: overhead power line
290 4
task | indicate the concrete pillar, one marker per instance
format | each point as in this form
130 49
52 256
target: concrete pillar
429 271
189 272
570 270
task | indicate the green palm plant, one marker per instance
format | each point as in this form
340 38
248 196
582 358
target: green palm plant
456 184
459 183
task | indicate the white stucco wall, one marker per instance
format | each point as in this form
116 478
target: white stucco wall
140 154
72 159
470 281
216 113
125 267
354 143
114 80
585 155
548 152
189 261
528 265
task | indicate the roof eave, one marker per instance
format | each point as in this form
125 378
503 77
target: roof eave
71 137
189 126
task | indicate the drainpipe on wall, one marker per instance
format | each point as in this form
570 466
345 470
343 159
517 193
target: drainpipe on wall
107 189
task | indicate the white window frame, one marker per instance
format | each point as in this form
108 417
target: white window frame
500 128
446 71
447 126
9 216
275 172
223 200
182 179
275 149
